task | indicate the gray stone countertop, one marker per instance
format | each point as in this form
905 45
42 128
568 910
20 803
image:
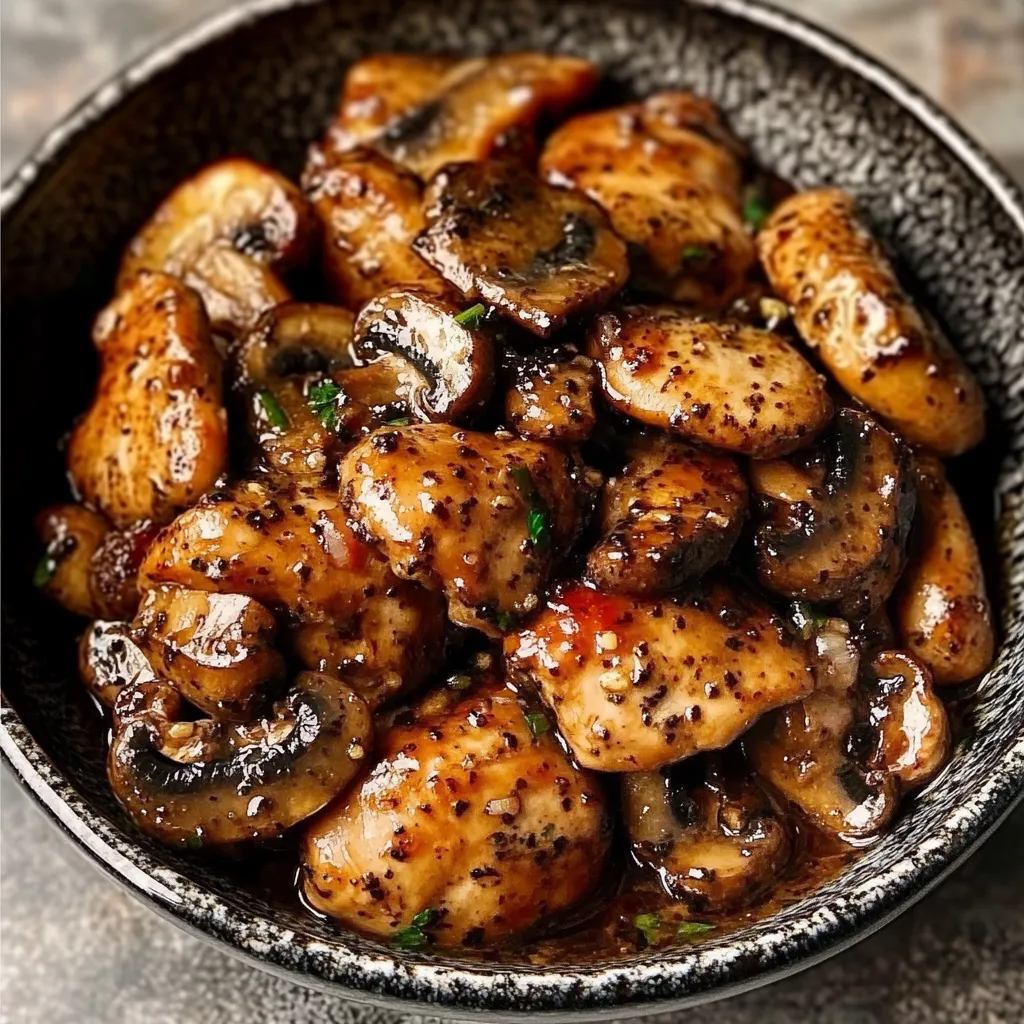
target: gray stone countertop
74 949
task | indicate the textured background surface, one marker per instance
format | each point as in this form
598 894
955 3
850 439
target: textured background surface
76 950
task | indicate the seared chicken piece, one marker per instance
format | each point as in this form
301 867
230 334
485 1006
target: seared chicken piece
668 173
109 659
484 518
155 437
708 830
844 754
482 108
672 514
371 210
639 683
538 253
114 570
942 609
836 517
207 783
552 398
723 384
850 307
215 649
468 828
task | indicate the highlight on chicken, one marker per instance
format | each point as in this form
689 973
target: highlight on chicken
519 527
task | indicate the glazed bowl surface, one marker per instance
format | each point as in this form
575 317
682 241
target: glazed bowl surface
262 80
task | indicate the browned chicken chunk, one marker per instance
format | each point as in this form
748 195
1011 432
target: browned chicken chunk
723 384
942 609
668 173
540 254
71 536
639 683
155 437
552 397
482 517
849 305
668 517
468 827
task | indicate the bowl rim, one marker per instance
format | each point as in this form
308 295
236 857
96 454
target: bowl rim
395 979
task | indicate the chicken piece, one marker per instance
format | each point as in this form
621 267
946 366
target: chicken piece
109 659
836 517
942 609
155 437
371 210
215 649
639 683
708 830
849 306
668 173
672 514
206 783
845 754
482 517
724 384
114 570
468 828
482 108
71 535
540 254
551 397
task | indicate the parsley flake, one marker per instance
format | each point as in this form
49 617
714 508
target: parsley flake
696 255
471 317
649 926
755 209
538 723
505 621
398 421
46 569
538 516
688 928
276 416
416 936
323 400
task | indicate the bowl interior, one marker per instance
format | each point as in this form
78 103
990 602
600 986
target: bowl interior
266 89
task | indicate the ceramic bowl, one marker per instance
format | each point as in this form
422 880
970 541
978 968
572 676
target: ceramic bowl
263 80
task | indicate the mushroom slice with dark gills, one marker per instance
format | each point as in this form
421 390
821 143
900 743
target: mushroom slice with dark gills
538 253
485 108
155 436
668 517
942 609
110 658
708 830
370 210
668 173
723 384
640 683
208 783
836 517
450 358
215 649
482 517
551 396
844 754
467 829
849 305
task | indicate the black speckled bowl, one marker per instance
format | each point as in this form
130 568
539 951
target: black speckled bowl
262 80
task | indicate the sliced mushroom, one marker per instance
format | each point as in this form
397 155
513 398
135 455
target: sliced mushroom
483 108
708 830
668 173
155 437
942 609
371 210
672 514
724 384
551 397
207 783
640 683
109 659
453 357
849 306
836 517
71 535
470 826
215 649
538 253
482 517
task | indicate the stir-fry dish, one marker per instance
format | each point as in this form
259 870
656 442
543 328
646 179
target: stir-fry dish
532 526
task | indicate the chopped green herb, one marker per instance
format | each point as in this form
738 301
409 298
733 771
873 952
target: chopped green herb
410 938
755 209
505 621
471 317
538 518
538 723
687 928
425 918
194 842
696 254
460 682
276 416
45 570
806 619
649 926
323 401
538 524
399 421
